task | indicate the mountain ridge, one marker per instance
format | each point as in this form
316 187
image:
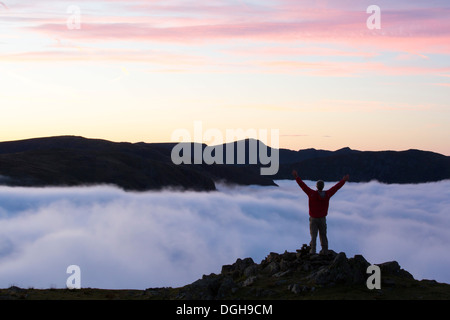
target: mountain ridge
75 160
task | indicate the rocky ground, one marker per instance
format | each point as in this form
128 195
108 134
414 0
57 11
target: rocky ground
290 275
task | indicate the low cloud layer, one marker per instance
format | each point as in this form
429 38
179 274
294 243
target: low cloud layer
153 239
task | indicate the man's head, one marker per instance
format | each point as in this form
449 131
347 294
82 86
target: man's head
319 185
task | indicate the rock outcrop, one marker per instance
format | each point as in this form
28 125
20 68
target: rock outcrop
296 272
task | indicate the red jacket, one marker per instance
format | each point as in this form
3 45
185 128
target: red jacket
318 205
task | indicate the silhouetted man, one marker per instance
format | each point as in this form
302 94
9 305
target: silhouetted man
318 209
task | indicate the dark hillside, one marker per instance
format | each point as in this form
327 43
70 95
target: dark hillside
72 161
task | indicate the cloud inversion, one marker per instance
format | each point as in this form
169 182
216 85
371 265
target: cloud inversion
142 240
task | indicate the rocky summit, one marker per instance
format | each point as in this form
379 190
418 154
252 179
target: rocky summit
301 275
279 276
294 275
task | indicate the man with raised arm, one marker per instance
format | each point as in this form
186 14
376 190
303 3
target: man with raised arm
318 201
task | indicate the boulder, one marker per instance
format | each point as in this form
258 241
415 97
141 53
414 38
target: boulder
393 268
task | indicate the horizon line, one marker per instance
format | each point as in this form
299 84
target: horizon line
235 141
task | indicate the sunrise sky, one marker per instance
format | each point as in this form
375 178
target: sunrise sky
139 70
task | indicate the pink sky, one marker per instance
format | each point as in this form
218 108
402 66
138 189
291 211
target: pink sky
288 65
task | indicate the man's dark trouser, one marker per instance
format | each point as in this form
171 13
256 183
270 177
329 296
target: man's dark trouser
318 225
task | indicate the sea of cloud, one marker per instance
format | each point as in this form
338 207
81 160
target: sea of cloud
129 240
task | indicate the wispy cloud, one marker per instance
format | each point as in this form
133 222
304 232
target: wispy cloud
273 32
326 105
442 84
180 21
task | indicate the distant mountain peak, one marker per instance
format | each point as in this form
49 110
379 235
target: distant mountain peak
345 149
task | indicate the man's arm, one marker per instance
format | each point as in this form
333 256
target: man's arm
302 185
337 186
